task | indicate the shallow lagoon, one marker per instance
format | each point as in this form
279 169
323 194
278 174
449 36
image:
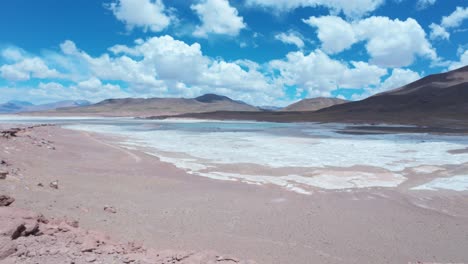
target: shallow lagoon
301 157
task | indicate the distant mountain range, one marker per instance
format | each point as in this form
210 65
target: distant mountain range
13 107
156 106
436 100
440 98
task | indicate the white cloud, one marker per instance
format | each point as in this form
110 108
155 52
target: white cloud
292 38
165 67
217 17
461 63
319 74
335 34
355 8
390 43
423 4
438 32
12 54
147 14
397 79
394 43
454 20
68 47
92 89
45 92
26 69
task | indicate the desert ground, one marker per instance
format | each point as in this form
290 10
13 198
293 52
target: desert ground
163 207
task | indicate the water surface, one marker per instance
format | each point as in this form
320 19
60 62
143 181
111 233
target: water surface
301 157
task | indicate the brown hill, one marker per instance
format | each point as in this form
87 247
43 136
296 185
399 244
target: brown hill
313 104
435 98
156 106
439 100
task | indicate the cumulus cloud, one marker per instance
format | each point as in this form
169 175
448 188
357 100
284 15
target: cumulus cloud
463 61
335 34
398 78
438 32
423 4
355 8
394 43
390 43
12 54
92 89
164 67
146 14
452 21
319 74
27 68
292 38
456 18
217 17
49 91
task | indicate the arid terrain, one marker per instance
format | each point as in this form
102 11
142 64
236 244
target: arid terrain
313 104
65 174
153 106
438 100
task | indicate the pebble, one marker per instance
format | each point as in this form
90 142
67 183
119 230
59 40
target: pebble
54 185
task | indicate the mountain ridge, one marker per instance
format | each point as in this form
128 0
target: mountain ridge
15 106
439 100
138 107
313 104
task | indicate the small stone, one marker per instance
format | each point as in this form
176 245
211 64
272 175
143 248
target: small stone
40 184
64 227
91 259
3 175
54 185
73 223
6 200
110 209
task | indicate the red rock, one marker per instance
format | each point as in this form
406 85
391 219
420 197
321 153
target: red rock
110 209
54 185
3 175
7 247
6 200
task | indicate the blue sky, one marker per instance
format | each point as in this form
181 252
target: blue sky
265 52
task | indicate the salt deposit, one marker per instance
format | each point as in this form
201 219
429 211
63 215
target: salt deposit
325 158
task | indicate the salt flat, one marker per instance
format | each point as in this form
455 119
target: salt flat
300 157
255 210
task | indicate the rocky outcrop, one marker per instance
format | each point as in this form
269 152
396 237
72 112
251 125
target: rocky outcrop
54 185
27 237
6 200
110 209
9 133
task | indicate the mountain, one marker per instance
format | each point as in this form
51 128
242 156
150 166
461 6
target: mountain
435 98
157 106
439 100
12 107
313 104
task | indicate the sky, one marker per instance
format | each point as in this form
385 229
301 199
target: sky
263 52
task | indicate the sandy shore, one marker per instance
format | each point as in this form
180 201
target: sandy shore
165 208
